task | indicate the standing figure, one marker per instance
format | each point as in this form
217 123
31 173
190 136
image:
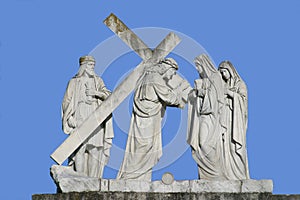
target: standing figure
83 95
234 120
144 143
204 128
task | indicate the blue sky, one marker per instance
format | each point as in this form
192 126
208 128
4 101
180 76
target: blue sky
41 41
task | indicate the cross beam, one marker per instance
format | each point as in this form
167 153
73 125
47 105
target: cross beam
80 134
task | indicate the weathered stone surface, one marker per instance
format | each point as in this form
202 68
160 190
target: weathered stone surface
178 186
194 186
257 186
167 178
67 180
81 133
165 196
199 186
104 185
129 186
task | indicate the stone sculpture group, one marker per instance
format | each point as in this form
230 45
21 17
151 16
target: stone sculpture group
217 120
217 114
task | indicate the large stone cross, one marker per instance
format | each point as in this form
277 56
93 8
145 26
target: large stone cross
92 123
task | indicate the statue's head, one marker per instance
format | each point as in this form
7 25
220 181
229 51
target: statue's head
226 70
87 65
168 67
204 66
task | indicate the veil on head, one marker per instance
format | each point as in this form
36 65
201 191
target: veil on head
229 66
207 66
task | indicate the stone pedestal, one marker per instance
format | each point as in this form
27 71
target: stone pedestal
164 196
74 185
68 180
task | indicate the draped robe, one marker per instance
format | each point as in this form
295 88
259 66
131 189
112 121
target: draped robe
204 128
144 143
234 121
77 106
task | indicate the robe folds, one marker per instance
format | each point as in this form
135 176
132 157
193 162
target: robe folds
76 107
217 123
234 120
144 143
204 128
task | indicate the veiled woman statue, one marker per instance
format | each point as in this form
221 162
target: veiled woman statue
234 118
204 128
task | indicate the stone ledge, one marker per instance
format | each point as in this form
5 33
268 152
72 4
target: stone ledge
193 186
165 196
68 180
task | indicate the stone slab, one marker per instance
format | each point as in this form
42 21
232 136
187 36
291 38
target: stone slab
165 196
67 180
129 186
257 186
199 186
179 186
194 186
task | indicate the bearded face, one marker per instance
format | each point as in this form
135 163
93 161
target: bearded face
89 68
86 69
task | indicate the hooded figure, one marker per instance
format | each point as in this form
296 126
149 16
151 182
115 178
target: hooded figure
234 119
204 128
84 93
144 143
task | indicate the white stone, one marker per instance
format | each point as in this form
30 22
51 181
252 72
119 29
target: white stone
80 134
129 186
249 186
167 178
127 36
104 185
84 93
193 186
144 143
67 180
176 186
182 85
70 181
199 186
217 122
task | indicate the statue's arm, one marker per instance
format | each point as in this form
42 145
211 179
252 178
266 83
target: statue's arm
102 91
167 95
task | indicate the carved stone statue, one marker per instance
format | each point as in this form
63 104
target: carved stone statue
144 145
204 128
234 119
218 122
83 95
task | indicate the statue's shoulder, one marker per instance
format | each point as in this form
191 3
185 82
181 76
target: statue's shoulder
154 79
99 79
73 81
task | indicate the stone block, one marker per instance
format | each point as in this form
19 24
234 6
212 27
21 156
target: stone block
176 186
129 186
67 180
249 186
104 185
199 186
